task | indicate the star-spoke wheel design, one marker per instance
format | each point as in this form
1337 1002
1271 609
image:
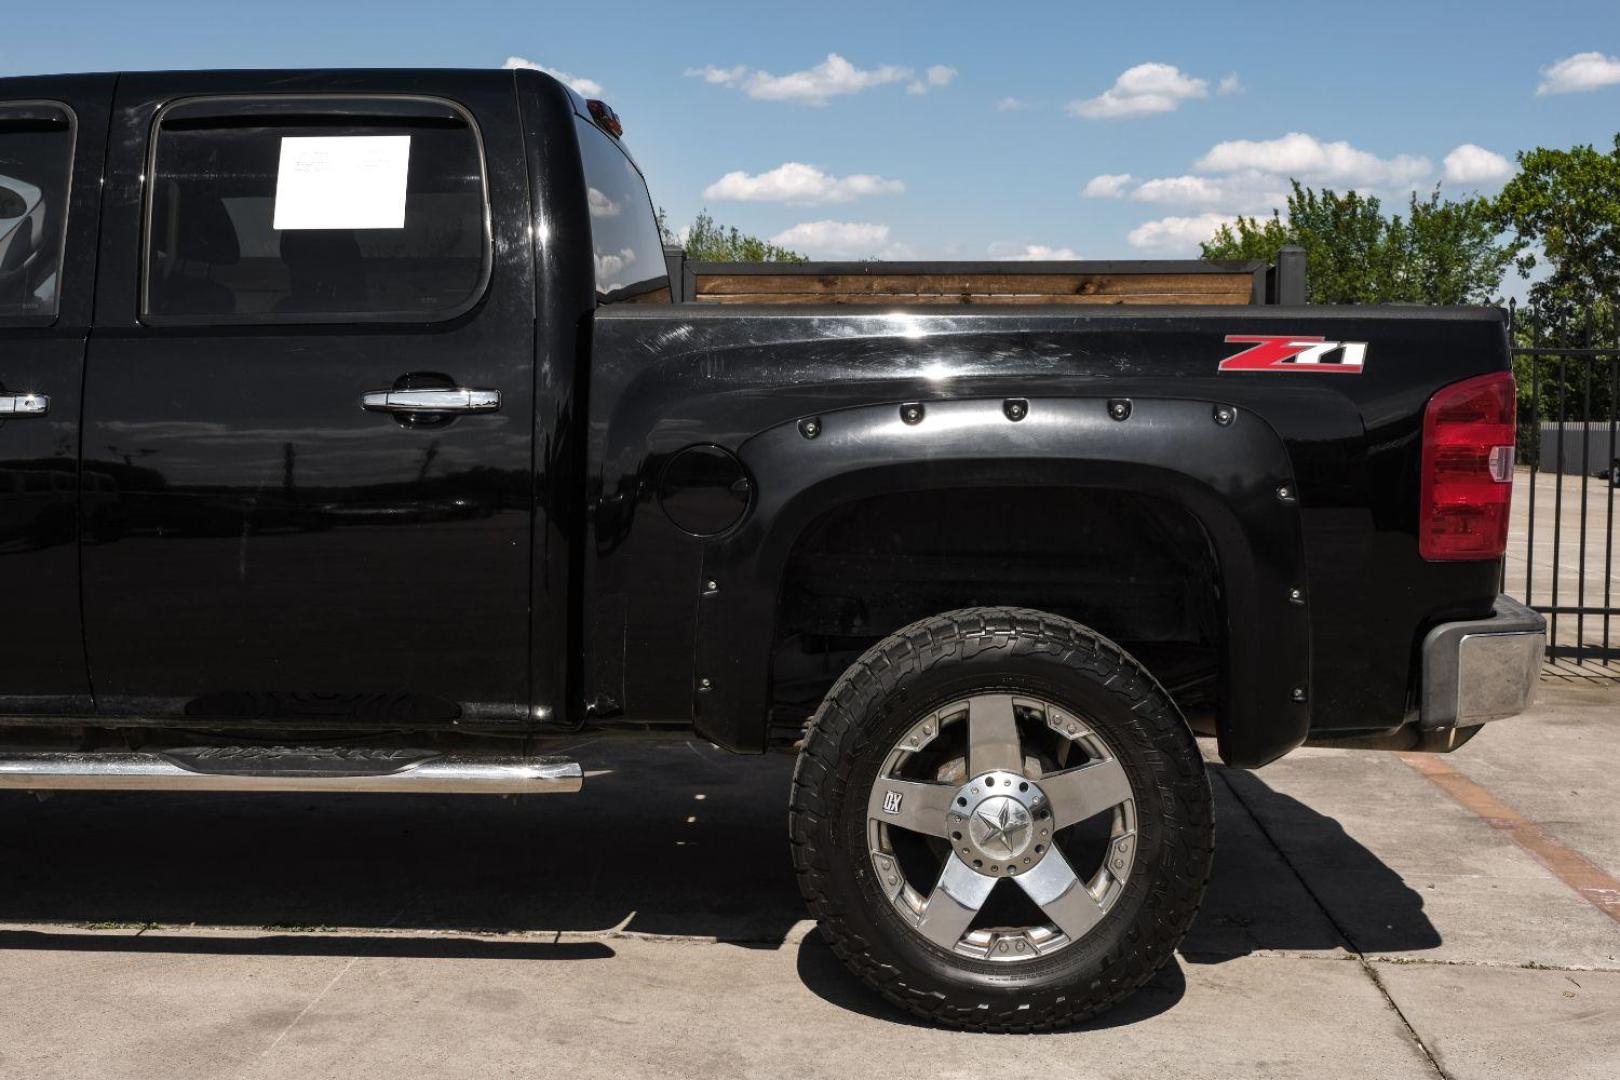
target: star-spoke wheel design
987 788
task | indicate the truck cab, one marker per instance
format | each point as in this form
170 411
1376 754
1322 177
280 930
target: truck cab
295 533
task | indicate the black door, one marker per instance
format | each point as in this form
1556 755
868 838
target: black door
51 133
310 389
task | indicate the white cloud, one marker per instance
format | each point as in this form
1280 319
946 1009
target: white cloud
588 87
935 77
1579 73
1181 189
831 78
835 239
1308 158
1141 91
1009 252
600 205
1231 84
1249 191
1470 164
1252 177
1107 186
1176 235
794 182
610 266
1011 104
718 76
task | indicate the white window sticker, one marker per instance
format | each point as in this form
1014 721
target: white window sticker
342 182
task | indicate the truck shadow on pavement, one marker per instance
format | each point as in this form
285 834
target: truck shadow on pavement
668 838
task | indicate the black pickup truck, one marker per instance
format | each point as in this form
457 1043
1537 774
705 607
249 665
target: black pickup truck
350 441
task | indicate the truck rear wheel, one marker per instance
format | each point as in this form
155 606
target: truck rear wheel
1001 820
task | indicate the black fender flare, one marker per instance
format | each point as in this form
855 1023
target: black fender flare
1225 466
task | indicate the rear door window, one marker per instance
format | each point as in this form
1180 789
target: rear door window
315 211
629 253
36 162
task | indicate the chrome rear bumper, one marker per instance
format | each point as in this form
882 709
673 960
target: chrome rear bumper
1481 669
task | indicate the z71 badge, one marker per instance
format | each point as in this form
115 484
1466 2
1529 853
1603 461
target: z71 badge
1297 352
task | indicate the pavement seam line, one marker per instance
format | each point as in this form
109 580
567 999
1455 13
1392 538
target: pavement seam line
1588 880
1344 933
1217 957
316 1000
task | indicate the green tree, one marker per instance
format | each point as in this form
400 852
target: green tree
708 241
1449 252
1563 209
1248 239
1442 252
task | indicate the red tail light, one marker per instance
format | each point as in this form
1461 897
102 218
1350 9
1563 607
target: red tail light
1468 435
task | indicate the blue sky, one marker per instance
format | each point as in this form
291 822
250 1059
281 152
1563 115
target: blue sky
930 130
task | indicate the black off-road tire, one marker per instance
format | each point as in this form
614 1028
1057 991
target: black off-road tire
941 659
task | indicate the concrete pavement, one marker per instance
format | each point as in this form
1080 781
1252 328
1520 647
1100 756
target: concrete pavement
1362 922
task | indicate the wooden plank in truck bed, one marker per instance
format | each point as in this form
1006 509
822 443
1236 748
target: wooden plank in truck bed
1234 296
977 283
980 284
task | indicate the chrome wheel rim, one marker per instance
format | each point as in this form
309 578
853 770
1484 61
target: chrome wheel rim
985 787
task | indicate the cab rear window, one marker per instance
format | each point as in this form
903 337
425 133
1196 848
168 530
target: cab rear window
629 254
324 211
36 163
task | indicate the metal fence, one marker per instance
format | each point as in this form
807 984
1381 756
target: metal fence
1562 546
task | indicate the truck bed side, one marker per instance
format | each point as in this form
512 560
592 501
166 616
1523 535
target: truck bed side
668 378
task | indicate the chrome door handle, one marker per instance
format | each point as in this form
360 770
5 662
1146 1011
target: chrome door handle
24 404
431 400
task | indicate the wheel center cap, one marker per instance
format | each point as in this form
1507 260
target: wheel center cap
1001 826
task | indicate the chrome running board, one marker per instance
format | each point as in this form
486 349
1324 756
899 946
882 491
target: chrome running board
281 768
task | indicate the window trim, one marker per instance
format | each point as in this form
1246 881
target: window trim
11 322
269 107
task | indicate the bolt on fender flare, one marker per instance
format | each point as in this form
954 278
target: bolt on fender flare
1226 473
